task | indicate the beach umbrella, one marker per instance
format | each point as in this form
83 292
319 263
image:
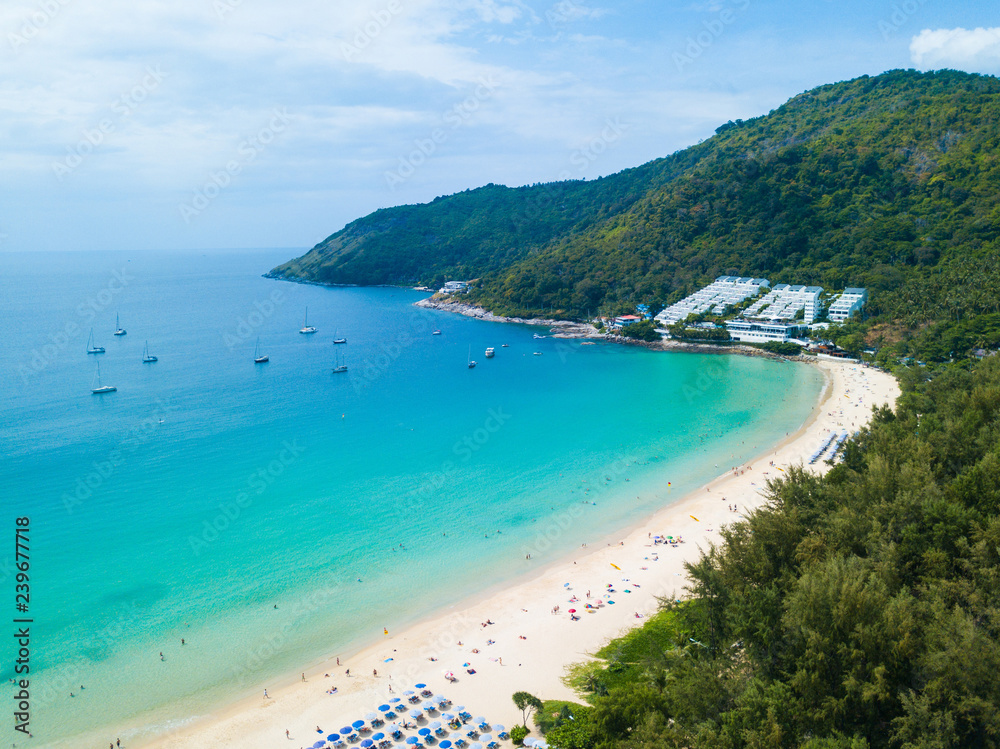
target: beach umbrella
572 611
409 693
448 717
529 741
427 705
486 738
460 709
424 732
445 744
370 717
333 736
415 713
412 740
378 736
498 728
475 745
439 698
367 743
436 724
394 700
480 720
384 708
358 723
337 741
319 744
346 731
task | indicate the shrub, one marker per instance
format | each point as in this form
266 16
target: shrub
517 734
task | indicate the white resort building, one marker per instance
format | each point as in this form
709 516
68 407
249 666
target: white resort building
759 331
724 292
784 301
847 304
454 287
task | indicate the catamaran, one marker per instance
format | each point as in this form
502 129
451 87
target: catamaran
306 327
101 389
257 357
119 330
146 357
91 348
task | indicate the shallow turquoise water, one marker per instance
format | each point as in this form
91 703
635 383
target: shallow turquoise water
208 490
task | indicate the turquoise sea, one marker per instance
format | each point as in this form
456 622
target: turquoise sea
209 490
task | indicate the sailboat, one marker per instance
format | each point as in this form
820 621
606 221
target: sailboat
91 348
340 367
306 327
339 340
472 364
101 389
119 330
257 358
146 358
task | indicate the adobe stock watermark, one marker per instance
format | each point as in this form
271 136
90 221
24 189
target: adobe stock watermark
248 672
366 33
247 152
463 450
552 528
104 469
454 118
122 107
374 367
901 14
87 310
35 23
249 324
257 483
713 29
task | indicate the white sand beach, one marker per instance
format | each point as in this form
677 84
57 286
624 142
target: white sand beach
527 646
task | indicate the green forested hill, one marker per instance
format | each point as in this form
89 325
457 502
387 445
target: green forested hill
888 182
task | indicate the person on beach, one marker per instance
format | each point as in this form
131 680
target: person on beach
375 673
265 695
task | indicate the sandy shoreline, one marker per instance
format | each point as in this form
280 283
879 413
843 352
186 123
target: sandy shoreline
550 641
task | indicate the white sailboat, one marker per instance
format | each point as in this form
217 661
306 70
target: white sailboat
472 364
258 358
101 389
339 339
340 366
306 327
119 330
146 358
91 348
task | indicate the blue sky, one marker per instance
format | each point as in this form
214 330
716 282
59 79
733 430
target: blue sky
159 124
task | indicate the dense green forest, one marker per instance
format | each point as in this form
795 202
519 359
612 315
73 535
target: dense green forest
889 182
858 609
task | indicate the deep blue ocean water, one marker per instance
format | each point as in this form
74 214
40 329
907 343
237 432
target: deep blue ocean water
207 490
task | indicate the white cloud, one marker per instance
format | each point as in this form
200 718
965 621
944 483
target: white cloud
973 50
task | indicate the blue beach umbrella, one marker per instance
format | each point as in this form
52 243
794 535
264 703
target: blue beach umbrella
420 686
384 708
448 716
445 744
333 736
412 740
424 732
479 720
378 736
358 723
415 713
486 738
475 745
436 724
367 743
439 698
319 744
370 717
394 700
408 693
346 731
498 728
428 705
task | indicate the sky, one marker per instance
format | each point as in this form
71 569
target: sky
203 124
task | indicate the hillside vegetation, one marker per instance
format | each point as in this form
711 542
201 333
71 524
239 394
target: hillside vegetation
890 182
